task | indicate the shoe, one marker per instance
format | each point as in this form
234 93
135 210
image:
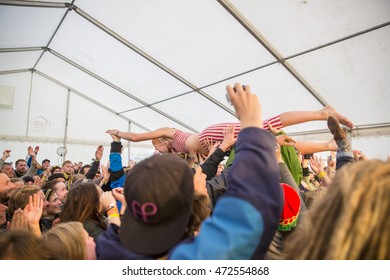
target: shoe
335 129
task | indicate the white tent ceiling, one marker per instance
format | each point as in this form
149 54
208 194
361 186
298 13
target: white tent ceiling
89 65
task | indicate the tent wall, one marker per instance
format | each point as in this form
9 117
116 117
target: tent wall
80 67
50 116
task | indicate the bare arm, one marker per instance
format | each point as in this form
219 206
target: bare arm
166 132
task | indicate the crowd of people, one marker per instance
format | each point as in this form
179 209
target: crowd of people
242 190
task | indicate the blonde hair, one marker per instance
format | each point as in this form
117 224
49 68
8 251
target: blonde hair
350 221
66 241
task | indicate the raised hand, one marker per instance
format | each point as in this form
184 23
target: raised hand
114 134
210 146
6 154
119 194
316 164
30 151
247 106
106 175
228 138
33 210
99 152
285 140
37 181
273 129
106 199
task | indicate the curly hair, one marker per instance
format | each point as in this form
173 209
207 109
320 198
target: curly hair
200 210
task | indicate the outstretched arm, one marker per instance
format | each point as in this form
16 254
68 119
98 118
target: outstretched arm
166 132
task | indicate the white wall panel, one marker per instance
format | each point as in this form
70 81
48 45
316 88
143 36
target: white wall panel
89 122
48 109
85 84
18 60
14 121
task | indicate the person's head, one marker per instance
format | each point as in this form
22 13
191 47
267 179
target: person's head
22 245
67 167
21 166
84 169
55 169
70 241
82 204
28 180
59 187
55 204
78 177
200 210
6 186
351 220
45 164
159 193
18 182
162 145
19 198
59 177
8 169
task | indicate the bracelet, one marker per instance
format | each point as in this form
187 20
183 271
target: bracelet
112 210
321 174
113 215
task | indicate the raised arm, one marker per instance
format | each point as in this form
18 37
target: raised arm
166 132
246 217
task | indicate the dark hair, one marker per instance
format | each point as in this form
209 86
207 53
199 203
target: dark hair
49 184
200 210
82 204
82 170
19 160
54 169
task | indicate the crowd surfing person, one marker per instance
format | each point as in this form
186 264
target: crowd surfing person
159 191
168 139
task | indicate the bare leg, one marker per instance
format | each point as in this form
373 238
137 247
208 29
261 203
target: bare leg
314 147
296 117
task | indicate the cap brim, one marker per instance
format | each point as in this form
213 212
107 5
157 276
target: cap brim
152 239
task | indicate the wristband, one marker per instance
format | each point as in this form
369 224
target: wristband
321 174
113 215
112 210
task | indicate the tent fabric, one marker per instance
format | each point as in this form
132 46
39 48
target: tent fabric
69 70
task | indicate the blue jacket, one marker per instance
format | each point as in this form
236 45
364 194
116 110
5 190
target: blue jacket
244 219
